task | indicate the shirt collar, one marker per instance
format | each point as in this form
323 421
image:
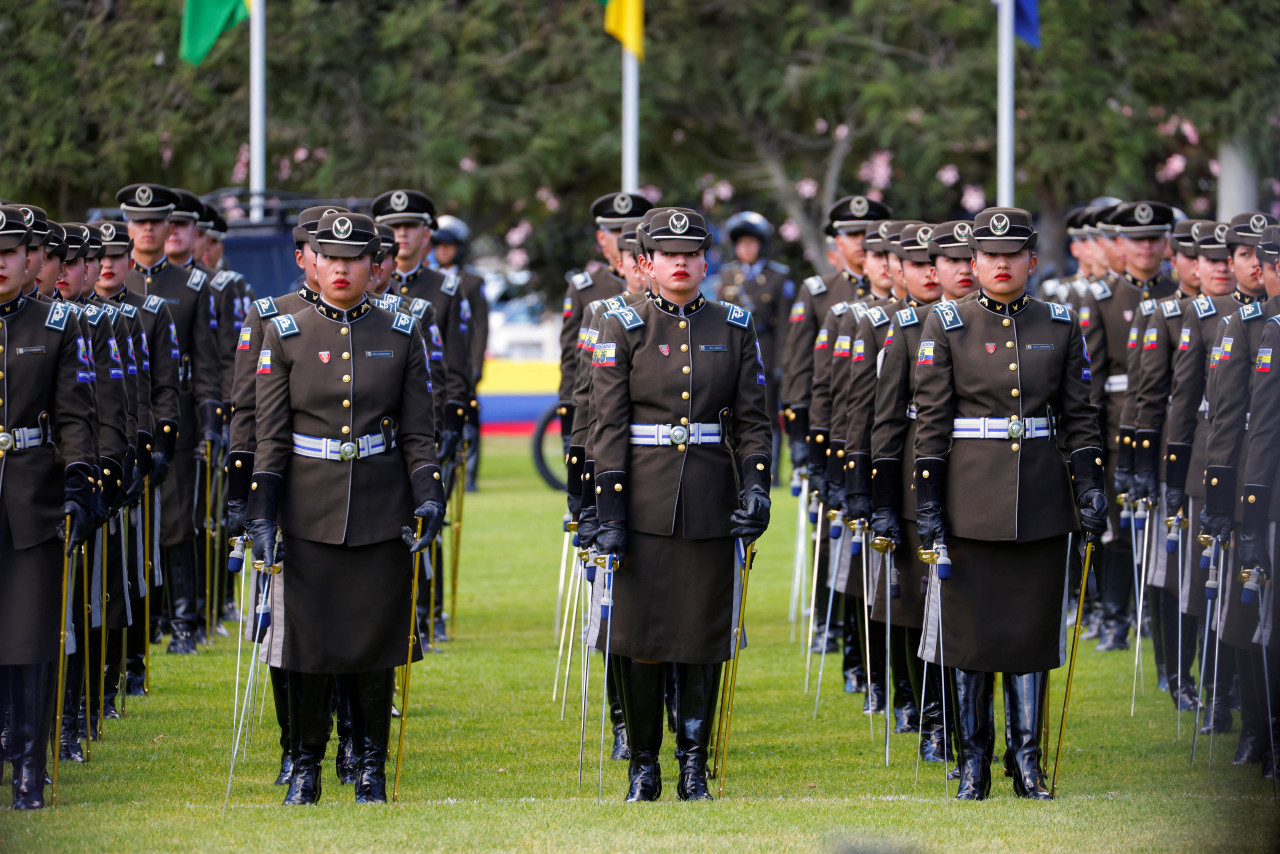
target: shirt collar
13 306
343 315
148 271
670 307
409 276
994 305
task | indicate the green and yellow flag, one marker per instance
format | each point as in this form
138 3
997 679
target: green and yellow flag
203 21
624 20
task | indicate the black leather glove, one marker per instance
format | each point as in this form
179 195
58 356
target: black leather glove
575 505
857 506
81 525
112 489
833 494
164 441
431 512
884 523
471 434
449 440
160 462
933 530
588 527
752 518
611 539
235 515
265 548
1216 524
1218 516
1124 482
1144 486
1175 501
1253 551
138 485
799 453
1092 504
1124 461
79 490
210 417
142 452
931 474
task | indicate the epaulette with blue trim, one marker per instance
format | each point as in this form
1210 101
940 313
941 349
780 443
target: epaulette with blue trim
129 310
58 314
949 316
1059 312
111 311
402 323
74 308
1252 311
450 284
1204 307
1172 307
609 304
266 307
92 314
777 267
1100 290
878 316
581 281
839 308
907 317
1148 307
285 325
815 285
418 308
391 302
197 279
152 304
221 280
1275 319
737 316
628 317
859 309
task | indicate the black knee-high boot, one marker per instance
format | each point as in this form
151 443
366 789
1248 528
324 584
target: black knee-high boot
696 687
310 698
180 563
936 744
855 674
115 637
641 689
1023 708
370 703
280 694
620 748
6 721
1217 688
905 711
1155 609
136 640
975 732
1253 710
346 757
877 693
69 735
1182 685
32 688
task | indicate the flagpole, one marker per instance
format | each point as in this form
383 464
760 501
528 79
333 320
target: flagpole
1004 106
257 107
630 122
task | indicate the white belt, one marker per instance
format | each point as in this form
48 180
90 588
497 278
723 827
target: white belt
912 411
20 439
1117 383
335 449
675 434
1001 428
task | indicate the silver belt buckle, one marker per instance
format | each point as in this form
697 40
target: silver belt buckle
679 434
6 441
1016 429
347 451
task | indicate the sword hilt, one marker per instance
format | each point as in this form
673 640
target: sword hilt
882 544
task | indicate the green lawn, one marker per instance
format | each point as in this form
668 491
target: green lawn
489 765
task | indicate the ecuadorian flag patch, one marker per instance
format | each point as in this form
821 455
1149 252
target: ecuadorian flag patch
820 343
1184 340
1149 339
1133 337
604 355
859 350
843 347
797 312
245 334
1263 364
264 362
925 354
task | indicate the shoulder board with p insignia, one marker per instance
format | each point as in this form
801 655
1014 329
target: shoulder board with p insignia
221 280
402 323
129 310
877 316
612 304
859 310
1059 312
266 307
907 317
58 314
815 285
196 280
628 317
111 311
1205 307
1100 290
949 316
839 308
1148 306
153 303
92 314
1171 307
418 307
581 281
285 325
392 302
737 316
1251 312
450 284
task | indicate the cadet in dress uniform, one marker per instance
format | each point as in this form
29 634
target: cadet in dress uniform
681 442
996 376
346 450
48 468
192 339
609 212
1230 442
38 247
449 251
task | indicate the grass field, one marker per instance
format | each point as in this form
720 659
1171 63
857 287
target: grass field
489 765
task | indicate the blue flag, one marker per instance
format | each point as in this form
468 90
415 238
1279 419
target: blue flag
1026 21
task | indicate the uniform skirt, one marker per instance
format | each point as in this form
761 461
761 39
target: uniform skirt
674 599
349 608
1002 609
908 609
30 596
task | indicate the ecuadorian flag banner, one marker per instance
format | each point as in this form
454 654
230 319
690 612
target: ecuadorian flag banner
624 20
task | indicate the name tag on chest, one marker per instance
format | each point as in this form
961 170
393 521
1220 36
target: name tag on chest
30 351
1039 346
379 354
713 348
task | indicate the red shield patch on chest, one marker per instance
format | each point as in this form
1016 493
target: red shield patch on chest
324 356
664 349
1128 316
991 348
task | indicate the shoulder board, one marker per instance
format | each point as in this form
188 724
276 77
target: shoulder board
877 316
92 314
74 308
418 307
1205 307
1100 290
110 310
450 284
1275 319
1172 307
815 285
859 310
737 316
221 280
611 304
839 308
1050 285
402 323
777 267
1148 307
286 325
949 316
197 279
1251 312
1059 312
629 317
581 281
392 302
152 304
266 307
907 317
58 314
129 310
